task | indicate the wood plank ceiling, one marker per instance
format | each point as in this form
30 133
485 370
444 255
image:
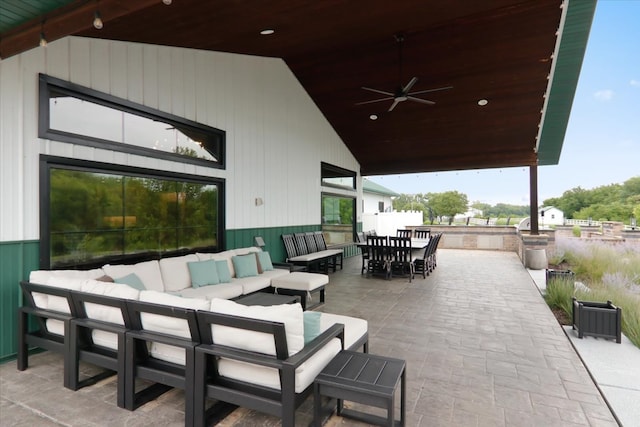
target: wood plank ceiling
498 50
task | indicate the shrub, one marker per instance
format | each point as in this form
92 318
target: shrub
611 271
576 231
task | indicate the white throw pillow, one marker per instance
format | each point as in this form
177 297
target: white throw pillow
289 314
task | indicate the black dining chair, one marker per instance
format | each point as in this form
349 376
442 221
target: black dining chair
403 233
400 257
422 233
378 262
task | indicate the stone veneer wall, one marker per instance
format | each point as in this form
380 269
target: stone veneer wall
496 238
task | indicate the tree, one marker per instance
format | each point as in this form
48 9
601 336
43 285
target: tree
448 203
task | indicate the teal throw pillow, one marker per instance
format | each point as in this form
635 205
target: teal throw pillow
245 265
132 280
311 325
264 259
203 273
224 275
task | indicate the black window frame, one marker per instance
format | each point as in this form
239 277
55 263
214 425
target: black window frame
48 83
48 162
328 170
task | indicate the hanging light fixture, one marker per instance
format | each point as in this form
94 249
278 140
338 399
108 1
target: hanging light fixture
43 39
167 2
97 20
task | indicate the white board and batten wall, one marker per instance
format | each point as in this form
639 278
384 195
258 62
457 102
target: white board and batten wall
276 135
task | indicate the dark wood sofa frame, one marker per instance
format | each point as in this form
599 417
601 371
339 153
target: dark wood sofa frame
310 251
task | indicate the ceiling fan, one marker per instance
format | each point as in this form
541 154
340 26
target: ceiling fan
402 93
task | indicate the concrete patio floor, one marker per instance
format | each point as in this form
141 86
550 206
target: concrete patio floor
482 349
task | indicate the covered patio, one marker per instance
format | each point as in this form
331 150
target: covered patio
482 349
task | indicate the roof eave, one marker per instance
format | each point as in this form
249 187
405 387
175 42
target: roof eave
572 44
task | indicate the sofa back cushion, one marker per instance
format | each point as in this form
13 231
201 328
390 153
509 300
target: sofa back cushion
289 314
147 271
42 276
106 313
169 325
175 272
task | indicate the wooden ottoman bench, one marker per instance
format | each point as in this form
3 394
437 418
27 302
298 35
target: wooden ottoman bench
304 285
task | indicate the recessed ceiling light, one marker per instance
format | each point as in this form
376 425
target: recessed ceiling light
483 102
373 117
267 31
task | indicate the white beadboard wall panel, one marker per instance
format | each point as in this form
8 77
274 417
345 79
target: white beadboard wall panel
100 60
118 69
32 62
163 62
57 58
135 73
276 136
11 101
80 61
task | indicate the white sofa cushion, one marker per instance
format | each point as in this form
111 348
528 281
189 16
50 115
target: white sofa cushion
55 303
268 377
289 314
253 283
41 276
354 328
107 313
276 272
175 272
221 290
147 271
169 325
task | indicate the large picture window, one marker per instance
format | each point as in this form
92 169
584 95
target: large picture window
338 218
92 213
80 115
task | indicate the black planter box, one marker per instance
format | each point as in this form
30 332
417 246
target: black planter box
597 319
552 274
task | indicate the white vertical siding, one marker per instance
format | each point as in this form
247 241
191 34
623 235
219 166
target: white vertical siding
276 136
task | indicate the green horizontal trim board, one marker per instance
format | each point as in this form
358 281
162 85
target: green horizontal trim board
573 45
17 259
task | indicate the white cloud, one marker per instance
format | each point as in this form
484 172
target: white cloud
604 95
635 83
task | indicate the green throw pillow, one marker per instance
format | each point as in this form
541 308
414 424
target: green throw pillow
203 273
245 265
264 259
132 280
224 275
311 325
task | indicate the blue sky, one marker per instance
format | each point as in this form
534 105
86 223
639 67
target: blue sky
602 143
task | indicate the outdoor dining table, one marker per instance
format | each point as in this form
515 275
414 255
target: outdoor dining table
416 244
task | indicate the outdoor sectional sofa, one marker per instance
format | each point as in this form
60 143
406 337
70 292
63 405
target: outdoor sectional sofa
264 358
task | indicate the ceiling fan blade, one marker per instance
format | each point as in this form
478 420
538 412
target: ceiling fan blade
431 90
395 102
409 85
377 91
374 100
423 101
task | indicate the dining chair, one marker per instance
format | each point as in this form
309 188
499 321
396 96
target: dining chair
422 233
403 233
378 262
400 257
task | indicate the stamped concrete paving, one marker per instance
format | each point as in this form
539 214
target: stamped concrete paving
481 346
